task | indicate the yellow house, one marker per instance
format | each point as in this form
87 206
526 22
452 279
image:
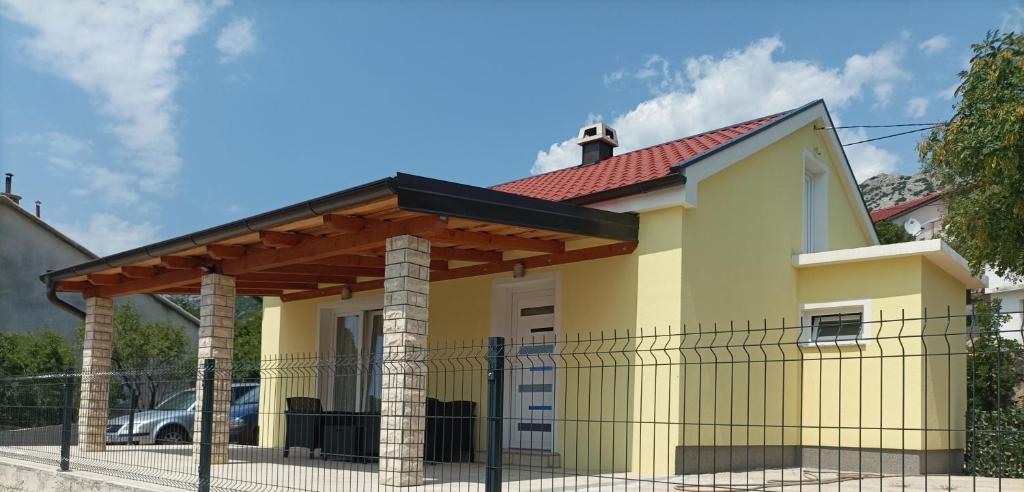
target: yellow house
715 302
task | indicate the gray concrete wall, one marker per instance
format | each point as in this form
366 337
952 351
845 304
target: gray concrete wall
28 248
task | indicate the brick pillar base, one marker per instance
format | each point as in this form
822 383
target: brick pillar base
96 350
216 341
403 402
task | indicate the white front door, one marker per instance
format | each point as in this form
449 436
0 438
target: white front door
530 370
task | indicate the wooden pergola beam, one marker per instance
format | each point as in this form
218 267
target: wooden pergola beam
275 239
104 278
310 269
248 284
499 242
74 286
158 283
179 262
297 277
582 254
443 253
344 223
314 249
138 271
333 291
225 251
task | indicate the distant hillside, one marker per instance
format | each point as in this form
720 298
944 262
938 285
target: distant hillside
887 190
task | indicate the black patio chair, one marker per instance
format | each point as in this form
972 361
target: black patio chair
303 420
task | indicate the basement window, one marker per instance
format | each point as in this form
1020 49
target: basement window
835 324
836 327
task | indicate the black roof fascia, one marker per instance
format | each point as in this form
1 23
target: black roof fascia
428 195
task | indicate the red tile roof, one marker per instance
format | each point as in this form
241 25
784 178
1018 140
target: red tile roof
631 168
886 213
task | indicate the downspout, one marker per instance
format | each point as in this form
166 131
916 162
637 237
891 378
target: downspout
51 294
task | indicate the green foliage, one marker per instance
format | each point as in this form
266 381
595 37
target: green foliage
890 232
995 438
146 355
248 331
40 352
248 325
978 157
31 402
993 372
995 444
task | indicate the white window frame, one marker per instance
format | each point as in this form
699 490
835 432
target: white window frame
809 310
815 204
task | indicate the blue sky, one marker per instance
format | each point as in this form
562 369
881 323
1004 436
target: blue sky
134 122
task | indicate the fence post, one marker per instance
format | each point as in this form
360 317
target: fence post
206 427
65 426
131 417
495 408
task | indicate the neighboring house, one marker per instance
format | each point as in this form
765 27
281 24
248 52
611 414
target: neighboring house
29 247
1011 302
920 217
760 220
923 218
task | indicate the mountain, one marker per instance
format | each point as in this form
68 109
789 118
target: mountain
887 190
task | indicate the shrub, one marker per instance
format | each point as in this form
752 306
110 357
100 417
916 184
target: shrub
995 443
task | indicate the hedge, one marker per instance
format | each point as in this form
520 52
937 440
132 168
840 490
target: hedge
995 443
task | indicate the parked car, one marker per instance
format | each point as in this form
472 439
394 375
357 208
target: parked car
172 421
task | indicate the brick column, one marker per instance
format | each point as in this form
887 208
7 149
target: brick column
96 348
216 340
403 405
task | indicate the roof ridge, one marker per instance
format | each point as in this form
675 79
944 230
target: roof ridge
694 135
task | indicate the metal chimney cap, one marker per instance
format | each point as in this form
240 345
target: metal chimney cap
598 132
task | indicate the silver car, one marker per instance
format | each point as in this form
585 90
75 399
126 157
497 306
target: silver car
172 420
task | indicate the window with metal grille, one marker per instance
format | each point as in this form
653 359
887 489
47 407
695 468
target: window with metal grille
836 327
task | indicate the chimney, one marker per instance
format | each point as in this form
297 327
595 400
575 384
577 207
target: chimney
7 188
597 141
39 209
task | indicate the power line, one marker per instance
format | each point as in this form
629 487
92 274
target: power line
893 135
899 125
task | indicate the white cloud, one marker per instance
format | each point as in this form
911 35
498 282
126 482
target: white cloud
712 92
917 107
106 233
934 44
125 54
236 39
72 157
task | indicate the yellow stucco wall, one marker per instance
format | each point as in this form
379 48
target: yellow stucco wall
908 375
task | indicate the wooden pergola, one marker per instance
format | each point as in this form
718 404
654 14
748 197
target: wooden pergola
397 234
322 251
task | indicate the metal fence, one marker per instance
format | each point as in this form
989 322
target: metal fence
836 400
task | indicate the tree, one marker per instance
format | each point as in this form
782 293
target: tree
146 356
993 371
978 157
40 352
890 232
248 329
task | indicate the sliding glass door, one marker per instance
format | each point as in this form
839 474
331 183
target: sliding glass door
356 342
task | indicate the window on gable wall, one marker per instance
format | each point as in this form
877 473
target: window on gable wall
815 205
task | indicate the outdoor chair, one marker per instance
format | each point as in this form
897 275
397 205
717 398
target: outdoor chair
303 420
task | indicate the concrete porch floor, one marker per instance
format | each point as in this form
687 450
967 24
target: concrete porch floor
163 468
